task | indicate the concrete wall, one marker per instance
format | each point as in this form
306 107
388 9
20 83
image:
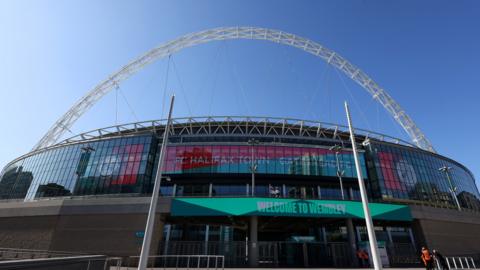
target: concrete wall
27 232
99 234
450 231
95 226
110 225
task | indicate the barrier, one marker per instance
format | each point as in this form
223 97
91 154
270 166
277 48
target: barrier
7 254
182 261
459 263
91 262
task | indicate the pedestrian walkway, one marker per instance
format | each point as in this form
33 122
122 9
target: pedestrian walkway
134 268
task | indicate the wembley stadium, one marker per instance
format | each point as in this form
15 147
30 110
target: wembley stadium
262 191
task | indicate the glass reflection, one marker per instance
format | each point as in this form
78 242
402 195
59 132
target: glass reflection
126 165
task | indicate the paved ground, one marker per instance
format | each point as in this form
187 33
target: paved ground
133 268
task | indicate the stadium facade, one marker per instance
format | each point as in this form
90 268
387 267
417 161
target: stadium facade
90 194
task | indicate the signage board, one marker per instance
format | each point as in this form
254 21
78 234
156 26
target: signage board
237 159
285 207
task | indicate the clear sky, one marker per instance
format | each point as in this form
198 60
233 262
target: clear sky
424 53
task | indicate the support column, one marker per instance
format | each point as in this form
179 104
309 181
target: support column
351 242
207 232
157 236
253 245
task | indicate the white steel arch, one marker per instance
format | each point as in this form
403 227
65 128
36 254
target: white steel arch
226 33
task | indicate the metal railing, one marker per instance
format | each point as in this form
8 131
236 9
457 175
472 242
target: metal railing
402 255
7 254
458 263
285 253
181 261
84 262
113 263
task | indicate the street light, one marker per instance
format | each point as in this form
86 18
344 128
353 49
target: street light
337 148
82 163
366 142
452 189
87 149
253 164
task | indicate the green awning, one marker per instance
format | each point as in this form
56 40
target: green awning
285 207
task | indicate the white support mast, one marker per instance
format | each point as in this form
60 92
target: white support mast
372 239
147 238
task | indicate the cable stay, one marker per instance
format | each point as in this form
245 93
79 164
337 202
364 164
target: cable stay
165 87
399 134
116 105
309 109
229 33
235 77
182 88
362 113
293 71
215 76
128 105
377 107
328 90
70 131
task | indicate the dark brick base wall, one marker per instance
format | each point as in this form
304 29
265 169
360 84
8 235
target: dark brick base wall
99 234
27 232
452 232
97 226
451 238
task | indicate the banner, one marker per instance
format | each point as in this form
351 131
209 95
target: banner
285 207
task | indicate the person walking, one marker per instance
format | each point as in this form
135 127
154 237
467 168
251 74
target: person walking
427 258
439 260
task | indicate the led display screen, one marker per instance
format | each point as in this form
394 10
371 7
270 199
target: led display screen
265 159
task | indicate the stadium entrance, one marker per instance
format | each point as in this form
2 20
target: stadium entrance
284 232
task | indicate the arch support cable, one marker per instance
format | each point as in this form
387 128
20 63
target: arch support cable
227 33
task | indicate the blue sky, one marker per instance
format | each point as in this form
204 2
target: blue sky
424 53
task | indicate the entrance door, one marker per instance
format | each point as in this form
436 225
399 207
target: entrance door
306 254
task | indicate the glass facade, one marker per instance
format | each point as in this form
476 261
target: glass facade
125 165
410 174
121 165
267 159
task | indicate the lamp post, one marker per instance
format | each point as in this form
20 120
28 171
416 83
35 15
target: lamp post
340 173
452 189
83 162
253 165
377 264
147 238
82 166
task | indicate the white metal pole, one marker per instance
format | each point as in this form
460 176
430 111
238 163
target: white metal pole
339 174
253 165
446 170
377 264
253 169
147 238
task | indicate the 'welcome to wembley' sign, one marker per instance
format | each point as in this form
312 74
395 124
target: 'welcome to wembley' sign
285 207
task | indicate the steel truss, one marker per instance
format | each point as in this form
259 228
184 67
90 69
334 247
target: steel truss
226 33
246 126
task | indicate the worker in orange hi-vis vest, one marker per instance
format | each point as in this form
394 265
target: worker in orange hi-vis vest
362 257
427 258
